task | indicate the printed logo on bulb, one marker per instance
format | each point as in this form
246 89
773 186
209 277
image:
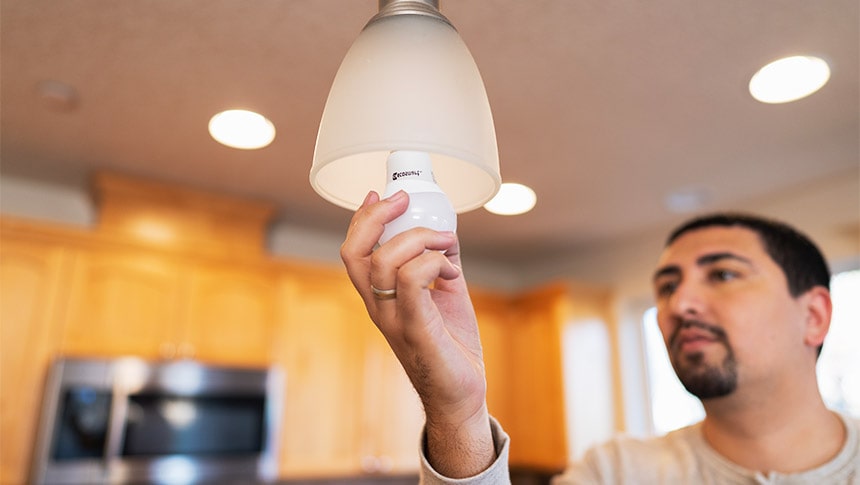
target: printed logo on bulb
429 207
410 173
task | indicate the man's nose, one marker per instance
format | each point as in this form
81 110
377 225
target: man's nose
687 300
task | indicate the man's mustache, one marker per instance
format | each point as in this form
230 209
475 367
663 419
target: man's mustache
717 332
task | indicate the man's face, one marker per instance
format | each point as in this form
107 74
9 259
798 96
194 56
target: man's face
725 311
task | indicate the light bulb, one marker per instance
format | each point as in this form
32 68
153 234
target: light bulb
429 207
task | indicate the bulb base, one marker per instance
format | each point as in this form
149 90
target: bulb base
428 205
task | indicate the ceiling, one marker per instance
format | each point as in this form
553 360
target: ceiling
602 106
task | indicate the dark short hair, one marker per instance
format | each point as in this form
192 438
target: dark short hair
800 259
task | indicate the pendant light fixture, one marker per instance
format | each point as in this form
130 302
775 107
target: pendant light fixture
408 83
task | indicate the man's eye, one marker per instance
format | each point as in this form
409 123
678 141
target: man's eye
723 275
666 288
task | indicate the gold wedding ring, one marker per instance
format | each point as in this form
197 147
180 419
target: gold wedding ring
383 294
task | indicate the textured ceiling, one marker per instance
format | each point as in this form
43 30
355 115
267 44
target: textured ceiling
603 107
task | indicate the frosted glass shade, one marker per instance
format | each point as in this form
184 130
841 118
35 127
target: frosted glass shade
407 83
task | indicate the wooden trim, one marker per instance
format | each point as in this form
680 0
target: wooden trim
166 215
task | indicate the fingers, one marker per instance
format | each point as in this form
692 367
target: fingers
405 265
412 246
365 228
369 268
369 221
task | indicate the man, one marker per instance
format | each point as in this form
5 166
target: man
743 304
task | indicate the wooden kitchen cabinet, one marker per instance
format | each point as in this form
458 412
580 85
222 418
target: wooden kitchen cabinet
535 366
173 273
393 415
322 358
349 408
124 302
495 314
152 305
521 338
33 296
230 314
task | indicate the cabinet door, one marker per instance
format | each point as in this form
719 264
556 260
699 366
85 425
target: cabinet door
324 325
231 313
538 432
123 303
33 283
494 321
522 355
393 414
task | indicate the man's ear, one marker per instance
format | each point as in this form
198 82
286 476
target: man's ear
819 308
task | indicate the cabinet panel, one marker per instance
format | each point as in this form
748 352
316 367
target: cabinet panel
33 282
522 354
494 321
394 416
123 303
323 356
349 407
230 316
538 436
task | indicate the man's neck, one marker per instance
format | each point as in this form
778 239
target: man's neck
785 432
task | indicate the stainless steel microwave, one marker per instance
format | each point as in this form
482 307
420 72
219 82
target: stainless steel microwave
127 420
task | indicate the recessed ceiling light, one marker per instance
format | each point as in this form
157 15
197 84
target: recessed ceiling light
238 128
58 95
511 200
789 79
687 200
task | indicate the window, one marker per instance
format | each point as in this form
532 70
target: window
839 363
587 354
672 407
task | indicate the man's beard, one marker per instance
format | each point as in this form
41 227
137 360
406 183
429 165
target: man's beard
700 378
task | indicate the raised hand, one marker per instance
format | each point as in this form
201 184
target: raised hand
414 291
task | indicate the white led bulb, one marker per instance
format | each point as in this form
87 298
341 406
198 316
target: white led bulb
429 207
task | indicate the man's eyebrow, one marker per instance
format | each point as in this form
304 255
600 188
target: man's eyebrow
671 270
674 270
714 257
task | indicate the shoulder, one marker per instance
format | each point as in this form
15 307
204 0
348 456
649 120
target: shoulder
852 439
852 430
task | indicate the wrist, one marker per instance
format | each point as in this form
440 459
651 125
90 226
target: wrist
460 448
